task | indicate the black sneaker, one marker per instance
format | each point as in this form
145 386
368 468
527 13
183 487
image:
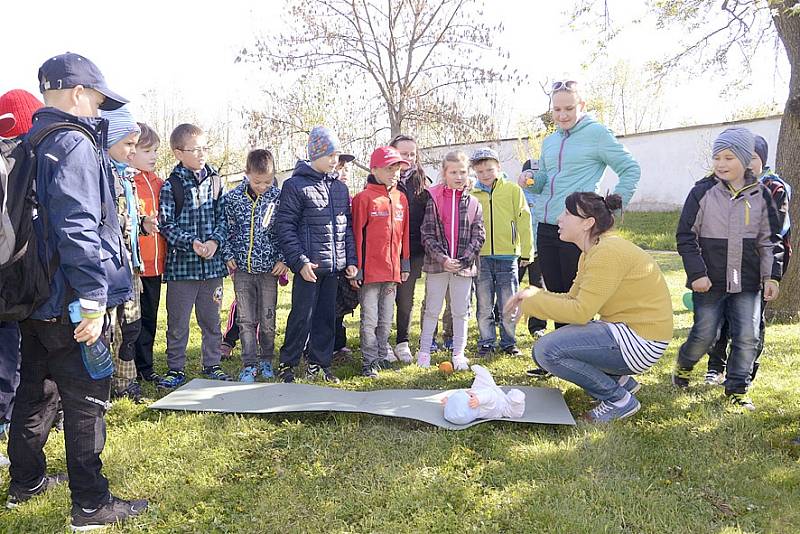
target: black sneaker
316 372
114 511
132 392
328 376
17 496
485 350
512 350
370 371
286 373
152 376
681 376
538 372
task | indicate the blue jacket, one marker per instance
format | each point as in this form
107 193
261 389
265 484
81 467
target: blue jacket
251 239
202 217
74 188
314 222
574 160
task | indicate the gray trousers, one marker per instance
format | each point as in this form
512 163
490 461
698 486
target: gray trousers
377 313
257 296
205 296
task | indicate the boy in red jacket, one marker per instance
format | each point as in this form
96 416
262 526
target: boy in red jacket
381 230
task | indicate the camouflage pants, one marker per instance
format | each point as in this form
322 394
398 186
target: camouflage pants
127 324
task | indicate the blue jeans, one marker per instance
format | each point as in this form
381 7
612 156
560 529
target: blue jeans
586 355
742 311
496 283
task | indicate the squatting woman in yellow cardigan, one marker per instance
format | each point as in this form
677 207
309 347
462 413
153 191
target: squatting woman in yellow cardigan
624 286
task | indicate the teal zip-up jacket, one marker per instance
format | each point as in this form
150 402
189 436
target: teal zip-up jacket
574 160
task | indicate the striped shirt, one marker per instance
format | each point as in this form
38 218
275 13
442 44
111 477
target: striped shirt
639 354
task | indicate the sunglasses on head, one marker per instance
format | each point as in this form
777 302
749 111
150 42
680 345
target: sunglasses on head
565 85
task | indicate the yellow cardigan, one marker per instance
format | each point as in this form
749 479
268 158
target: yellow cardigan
620 282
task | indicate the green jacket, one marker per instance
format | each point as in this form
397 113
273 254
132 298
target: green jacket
507 220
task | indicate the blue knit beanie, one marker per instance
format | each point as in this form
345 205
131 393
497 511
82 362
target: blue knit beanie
740 141
322 142
120 124
762 149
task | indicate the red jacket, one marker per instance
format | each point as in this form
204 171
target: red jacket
152 248
381 230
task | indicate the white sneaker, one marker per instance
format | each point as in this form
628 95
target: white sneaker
423 360
4 461
390 356
460 363
403 352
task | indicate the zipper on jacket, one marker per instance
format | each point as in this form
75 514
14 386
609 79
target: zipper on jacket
155 235
333 227
252 232
491 218
453 215
391 229
553 180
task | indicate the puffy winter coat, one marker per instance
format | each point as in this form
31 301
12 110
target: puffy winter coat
313 221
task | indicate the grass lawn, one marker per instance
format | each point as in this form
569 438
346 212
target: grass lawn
685 463
650 230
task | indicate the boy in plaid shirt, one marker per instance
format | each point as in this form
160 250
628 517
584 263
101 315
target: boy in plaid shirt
193 223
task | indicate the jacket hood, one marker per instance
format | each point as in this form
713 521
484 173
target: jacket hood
583 122
304 169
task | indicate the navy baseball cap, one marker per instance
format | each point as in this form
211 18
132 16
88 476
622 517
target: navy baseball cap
69 70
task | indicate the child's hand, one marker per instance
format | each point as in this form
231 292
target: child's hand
199 248
452 266
404 276
701 285
771 290
355 284
231 266
473 400
280 269
307 272
351 271
511 309
89 330
211 248
150 224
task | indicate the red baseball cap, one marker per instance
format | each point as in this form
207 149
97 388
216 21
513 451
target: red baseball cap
386 156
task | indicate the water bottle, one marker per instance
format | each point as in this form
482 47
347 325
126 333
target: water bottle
96 357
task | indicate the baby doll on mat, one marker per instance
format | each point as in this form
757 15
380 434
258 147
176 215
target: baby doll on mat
484 400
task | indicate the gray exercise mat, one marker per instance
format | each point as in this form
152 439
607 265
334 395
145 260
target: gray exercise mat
542 405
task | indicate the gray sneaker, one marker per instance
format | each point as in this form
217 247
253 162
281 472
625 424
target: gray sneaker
630 385
605 412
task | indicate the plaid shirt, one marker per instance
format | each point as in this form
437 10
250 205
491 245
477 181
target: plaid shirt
471 235
202 218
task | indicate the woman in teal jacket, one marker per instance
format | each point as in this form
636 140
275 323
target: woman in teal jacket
573 158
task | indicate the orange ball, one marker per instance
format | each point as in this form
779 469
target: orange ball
446 368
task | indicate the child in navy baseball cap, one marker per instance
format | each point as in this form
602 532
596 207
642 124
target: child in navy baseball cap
70 71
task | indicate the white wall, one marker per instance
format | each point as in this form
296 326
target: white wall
671 160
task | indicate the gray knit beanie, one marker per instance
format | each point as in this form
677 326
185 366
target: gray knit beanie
740 141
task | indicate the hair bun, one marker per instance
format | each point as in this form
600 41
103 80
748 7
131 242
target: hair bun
613 202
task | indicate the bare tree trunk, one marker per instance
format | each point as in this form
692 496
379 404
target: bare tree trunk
787 307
